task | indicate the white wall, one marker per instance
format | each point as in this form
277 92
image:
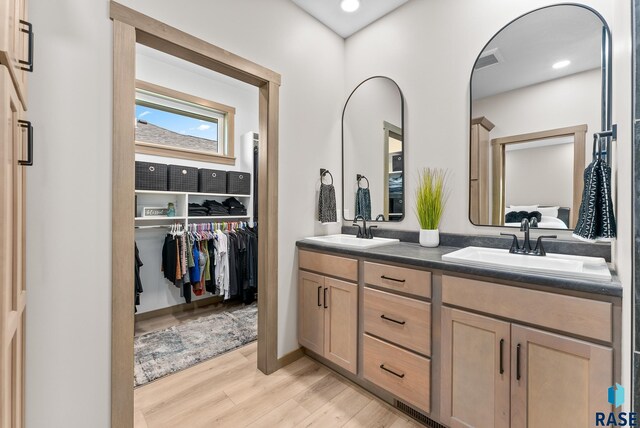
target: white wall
174 73
69 188
429 48
539 176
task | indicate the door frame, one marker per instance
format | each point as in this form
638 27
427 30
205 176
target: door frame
131 27
498 148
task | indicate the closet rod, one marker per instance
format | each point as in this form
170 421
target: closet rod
154 227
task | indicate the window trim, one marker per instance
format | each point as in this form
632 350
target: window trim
181 153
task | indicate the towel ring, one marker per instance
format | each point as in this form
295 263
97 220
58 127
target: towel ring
360 177
324 172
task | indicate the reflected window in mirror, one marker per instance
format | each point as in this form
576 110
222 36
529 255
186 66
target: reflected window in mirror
537 88
373 173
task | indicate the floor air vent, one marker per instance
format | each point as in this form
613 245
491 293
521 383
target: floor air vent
417 415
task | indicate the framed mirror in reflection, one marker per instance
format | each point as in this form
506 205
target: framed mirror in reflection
373 184
538 88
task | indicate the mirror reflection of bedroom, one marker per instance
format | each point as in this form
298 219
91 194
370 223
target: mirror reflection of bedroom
195 220
535 102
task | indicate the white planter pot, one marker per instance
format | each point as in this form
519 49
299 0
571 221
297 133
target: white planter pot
429 237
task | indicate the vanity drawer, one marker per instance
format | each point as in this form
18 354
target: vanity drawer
583 317
402 373
411 281
340 267
404 321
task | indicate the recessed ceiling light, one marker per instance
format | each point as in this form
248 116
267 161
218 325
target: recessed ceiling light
561 64
350 5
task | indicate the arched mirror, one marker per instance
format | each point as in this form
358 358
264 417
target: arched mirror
539 89
373 175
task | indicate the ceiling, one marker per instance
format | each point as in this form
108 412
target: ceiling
533 43
345 24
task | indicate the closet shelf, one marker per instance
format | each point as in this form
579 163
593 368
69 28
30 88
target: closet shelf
395 172
160 218
160 192
219 217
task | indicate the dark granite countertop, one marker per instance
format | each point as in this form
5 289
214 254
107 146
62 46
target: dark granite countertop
414 254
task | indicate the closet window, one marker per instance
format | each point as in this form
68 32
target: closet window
171 123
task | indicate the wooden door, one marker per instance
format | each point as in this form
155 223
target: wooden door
341 323
475 370
12 279
311 315
557 381
14 43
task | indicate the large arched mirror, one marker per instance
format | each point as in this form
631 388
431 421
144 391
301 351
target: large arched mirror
539 88
373 176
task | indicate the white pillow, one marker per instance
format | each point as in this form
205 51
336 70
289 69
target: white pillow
549 211
527 208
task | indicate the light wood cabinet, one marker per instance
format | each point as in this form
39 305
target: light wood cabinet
475 370
15 38
328 318
341 323
12 255
498 374
311 311
398 319
403 373
557 380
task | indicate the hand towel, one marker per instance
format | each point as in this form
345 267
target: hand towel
596 220
363 203
327 212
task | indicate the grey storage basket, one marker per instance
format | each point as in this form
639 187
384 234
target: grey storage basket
238 183
212 181
182 179
151 176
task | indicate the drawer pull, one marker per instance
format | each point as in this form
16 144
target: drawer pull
319 290
388 278
392 320
501 356
27 125
400 375
518 362
28 64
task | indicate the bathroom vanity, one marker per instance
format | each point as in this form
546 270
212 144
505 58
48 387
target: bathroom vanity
461 345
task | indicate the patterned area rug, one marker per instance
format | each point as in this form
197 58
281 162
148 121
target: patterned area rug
167 351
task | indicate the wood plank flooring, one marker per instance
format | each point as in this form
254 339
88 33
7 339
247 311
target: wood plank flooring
229 391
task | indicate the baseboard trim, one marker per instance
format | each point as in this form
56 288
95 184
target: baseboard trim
290 358
183 307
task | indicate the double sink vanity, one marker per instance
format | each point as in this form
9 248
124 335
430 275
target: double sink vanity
480 331
449 335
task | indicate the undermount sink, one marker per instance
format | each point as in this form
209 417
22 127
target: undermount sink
352 241
556 264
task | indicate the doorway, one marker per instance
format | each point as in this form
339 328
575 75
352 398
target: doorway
131 27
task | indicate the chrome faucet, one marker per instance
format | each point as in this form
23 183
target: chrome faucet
526 244
363 232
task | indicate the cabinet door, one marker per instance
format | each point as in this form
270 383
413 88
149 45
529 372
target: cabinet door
475 370
341 323
14 43
557 381
12 284
311 311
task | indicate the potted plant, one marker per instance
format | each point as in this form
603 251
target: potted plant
431 198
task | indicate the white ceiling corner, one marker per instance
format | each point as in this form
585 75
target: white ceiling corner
346 24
